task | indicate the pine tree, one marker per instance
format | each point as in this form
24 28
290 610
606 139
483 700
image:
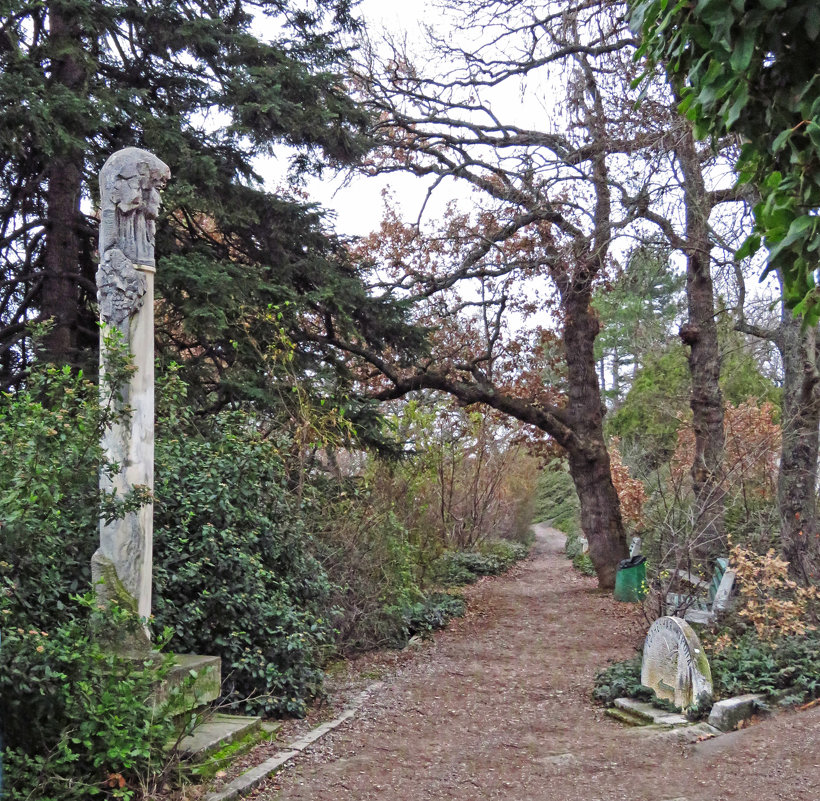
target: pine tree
637 309
241 272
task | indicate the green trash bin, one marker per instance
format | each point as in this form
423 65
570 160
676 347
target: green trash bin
630 579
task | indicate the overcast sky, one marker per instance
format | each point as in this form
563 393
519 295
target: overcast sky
358 206
357 202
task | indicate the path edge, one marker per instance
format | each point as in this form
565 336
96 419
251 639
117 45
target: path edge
253 777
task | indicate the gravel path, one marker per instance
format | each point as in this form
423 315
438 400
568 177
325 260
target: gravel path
498 707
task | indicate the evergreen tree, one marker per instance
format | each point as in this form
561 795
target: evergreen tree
245 278
637 310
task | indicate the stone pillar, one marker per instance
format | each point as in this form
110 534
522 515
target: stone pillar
129 185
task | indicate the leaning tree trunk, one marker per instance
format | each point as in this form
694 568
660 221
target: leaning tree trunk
700 334
797 477
588 456
589 460
60 299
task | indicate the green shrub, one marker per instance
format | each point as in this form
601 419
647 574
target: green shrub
78 722
464 567
582 562
373 568
788 668
376 594
50 505
556 502
574 550
623 680
433 613
233 570
73 714
506 552
492 558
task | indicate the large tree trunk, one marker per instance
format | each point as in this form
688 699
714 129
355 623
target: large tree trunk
60 292
60 298
796 481
700 333
797 473
589 459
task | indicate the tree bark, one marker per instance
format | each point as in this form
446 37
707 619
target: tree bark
797 477
800 445
60 299
589 465
700 334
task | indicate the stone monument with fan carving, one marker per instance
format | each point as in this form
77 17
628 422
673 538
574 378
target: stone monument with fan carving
130 184
674 663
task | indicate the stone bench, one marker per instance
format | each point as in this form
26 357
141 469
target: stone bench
704 601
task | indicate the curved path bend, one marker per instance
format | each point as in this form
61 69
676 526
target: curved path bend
498 707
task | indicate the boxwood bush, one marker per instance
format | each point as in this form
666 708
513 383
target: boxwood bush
490 558
233 572
78 719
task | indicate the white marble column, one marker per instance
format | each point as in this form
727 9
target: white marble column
129 185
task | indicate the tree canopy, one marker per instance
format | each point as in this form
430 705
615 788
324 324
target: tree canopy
242 272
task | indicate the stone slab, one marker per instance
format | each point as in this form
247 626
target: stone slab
699 617
625 717
271 726
215 733
696 733
203 690
640 709
727 714
724 591
693 734
649 713
691 579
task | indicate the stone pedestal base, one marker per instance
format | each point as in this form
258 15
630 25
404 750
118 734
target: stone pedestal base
182 692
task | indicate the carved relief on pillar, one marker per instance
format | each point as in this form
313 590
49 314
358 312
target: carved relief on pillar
130 183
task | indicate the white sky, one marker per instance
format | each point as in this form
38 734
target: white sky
358 206
357 202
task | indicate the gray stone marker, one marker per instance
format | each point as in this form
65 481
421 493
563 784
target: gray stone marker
674 663
129 185
727 714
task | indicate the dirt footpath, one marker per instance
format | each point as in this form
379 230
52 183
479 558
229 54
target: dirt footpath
498 707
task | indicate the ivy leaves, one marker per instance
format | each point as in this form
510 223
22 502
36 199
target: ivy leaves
752 67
